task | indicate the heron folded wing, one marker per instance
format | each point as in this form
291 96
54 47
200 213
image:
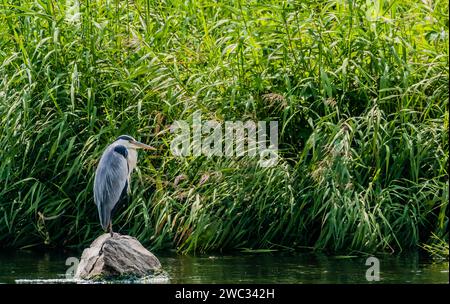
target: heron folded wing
110 179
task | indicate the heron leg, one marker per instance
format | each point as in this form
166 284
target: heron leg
110 229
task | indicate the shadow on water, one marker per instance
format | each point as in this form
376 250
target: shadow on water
297 268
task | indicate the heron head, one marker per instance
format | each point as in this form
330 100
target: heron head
131 143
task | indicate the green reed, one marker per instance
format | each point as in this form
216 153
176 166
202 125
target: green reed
359 88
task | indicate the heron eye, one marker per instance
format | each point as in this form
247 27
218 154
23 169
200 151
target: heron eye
122 150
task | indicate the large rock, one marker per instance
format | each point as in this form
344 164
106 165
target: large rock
120 255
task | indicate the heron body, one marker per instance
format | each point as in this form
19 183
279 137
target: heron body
113 175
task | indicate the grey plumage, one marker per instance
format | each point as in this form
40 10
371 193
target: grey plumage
112 177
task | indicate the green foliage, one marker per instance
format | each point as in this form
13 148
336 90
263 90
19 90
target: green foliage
437 248
360 90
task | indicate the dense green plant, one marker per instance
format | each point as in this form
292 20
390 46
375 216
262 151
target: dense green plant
359 88
437 248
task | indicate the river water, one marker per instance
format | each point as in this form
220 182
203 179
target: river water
298 268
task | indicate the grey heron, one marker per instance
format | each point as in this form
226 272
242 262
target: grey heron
112 177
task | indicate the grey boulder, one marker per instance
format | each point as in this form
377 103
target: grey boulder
117 256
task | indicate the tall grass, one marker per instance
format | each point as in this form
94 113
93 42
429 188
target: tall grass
360 90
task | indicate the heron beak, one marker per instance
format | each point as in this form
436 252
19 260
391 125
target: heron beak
138 144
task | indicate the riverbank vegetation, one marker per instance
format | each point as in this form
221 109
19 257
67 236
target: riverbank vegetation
359 88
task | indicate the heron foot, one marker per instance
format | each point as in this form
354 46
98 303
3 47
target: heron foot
110 230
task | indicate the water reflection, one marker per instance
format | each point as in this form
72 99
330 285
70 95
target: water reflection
298 268
301 268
